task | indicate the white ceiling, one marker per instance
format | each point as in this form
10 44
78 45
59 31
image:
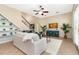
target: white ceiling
52 8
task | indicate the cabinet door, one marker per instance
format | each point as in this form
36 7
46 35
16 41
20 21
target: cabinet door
57 33
53 33
50 33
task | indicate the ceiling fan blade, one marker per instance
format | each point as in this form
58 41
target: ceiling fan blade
45 11
36 13
35 10
40 6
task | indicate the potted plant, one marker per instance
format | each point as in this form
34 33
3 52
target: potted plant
43 32
66 29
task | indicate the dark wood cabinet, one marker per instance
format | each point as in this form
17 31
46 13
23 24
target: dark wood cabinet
53 33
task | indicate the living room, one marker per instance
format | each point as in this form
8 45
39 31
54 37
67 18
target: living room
52 23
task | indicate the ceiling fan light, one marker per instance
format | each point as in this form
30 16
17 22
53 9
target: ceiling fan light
42 14
45 11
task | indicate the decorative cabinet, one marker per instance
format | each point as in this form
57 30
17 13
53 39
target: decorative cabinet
53 33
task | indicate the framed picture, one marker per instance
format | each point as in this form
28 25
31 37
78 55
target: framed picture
53 25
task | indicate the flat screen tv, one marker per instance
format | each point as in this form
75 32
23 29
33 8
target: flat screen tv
53 25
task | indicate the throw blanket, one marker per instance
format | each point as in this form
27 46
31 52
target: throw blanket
30 36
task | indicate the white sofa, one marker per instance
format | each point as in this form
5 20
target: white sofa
30 48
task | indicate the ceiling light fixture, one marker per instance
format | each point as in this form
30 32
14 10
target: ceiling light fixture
41 11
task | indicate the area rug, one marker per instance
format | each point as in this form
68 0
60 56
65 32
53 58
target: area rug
53 46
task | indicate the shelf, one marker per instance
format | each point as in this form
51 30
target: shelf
7 31
7 36
2 19
7 26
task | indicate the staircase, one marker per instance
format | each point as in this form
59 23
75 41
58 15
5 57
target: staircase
14 16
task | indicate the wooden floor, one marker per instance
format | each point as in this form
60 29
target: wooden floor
67 48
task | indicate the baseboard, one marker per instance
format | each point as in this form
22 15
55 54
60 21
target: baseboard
77 48
5 41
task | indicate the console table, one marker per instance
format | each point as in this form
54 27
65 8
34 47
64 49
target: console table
53 33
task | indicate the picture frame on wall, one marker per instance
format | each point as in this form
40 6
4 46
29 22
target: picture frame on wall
53 25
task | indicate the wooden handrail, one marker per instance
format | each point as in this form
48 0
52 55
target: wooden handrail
24 23
25 20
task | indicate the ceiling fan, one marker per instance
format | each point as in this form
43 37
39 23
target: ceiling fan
41 11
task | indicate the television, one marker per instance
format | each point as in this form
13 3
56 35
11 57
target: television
53 25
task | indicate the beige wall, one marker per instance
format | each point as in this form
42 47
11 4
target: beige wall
29 18
60 19
14 16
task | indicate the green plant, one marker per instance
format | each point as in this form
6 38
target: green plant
43 28
66 29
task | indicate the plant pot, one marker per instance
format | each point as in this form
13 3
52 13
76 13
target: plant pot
65 36
43 34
